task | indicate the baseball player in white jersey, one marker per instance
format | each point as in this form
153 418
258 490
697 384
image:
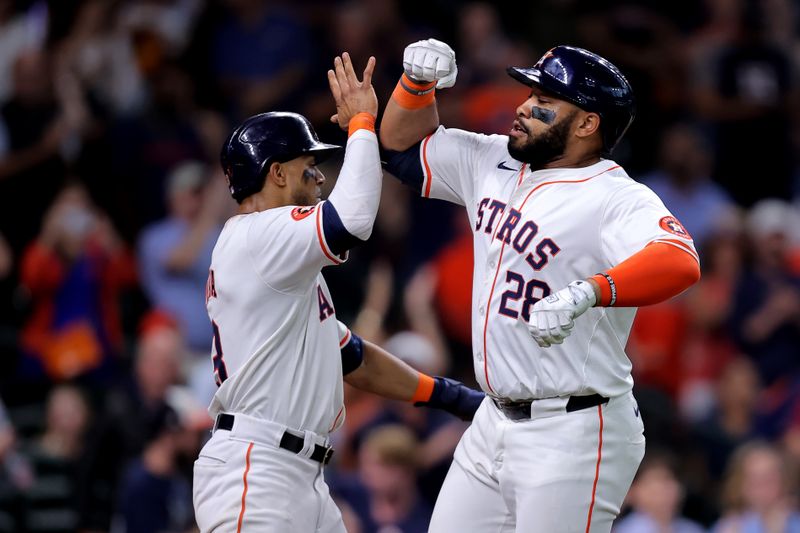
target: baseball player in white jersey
279 353
566 247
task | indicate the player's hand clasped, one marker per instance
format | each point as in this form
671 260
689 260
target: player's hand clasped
351 96
553 318
431 60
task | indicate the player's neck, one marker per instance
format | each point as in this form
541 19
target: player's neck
573 161
260 202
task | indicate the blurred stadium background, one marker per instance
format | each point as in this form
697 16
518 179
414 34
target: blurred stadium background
112 114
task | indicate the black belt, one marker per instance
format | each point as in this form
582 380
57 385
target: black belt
289 441
521 409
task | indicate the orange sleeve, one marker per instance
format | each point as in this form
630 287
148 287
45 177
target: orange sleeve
40 268
653 275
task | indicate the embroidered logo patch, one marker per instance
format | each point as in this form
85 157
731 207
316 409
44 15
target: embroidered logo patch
672 225
299 213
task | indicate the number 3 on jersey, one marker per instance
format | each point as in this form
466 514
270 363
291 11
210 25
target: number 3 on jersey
220 371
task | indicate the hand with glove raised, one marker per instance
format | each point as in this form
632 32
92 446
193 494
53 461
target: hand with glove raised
430 60
552 318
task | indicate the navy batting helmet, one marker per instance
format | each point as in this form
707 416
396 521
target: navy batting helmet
263 139
588 81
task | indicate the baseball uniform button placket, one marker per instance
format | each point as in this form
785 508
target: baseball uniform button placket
288 440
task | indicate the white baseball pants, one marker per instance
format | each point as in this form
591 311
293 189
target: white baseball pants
558 472
243 482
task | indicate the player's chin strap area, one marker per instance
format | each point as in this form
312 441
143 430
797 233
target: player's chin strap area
289 441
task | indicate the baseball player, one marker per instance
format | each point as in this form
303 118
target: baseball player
279 353
566 247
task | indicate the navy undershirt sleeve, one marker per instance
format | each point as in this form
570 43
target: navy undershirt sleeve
352 354
405 166
338 238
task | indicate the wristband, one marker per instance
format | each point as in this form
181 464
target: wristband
361 121
608 290
424 389
412 94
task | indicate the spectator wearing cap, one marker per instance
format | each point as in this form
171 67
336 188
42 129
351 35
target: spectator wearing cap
174 256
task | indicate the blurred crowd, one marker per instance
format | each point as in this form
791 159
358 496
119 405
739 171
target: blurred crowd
112 115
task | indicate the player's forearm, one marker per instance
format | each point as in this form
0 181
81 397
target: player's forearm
408 117
653 275
383 374
358 189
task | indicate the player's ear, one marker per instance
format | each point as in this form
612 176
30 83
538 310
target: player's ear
277 174
587 124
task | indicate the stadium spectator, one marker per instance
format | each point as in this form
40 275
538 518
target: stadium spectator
656 497
261 52
746 88
50 504
683 181
384 495
130 407
174 255
155 492
766 312
758 492
74 272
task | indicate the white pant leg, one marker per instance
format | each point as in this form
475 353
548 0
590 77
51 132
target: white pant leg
556 475
470 499
240 486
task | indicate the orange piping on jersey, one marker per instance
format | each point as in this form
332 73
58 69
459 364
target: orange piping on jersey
656 273
597 468
244 491
500 260
321 238
345 339
428 176
424 389
335 420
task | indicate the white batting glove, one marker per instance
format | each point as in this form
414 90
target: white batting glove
553 318
431 60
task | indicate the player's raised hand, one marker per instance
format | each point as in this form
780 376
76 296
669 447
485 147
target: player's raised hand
431 60
553 318
351 96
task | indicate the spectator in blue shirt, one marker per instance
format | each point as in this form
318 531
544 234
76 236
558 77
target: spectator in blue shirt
682 181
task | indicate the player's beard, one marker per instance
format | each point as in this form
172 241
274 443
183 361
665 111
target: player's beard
543 148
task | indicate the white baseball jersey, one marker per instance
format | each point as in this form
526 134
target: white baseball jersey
535 232
276 338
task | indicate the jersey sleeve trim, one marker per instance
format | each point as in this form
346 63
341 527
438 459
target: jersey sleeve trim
323 244
344 340
678 244
427 176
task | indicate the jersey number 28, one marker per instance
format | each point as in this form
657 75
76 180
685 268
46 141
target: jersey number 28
533 291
